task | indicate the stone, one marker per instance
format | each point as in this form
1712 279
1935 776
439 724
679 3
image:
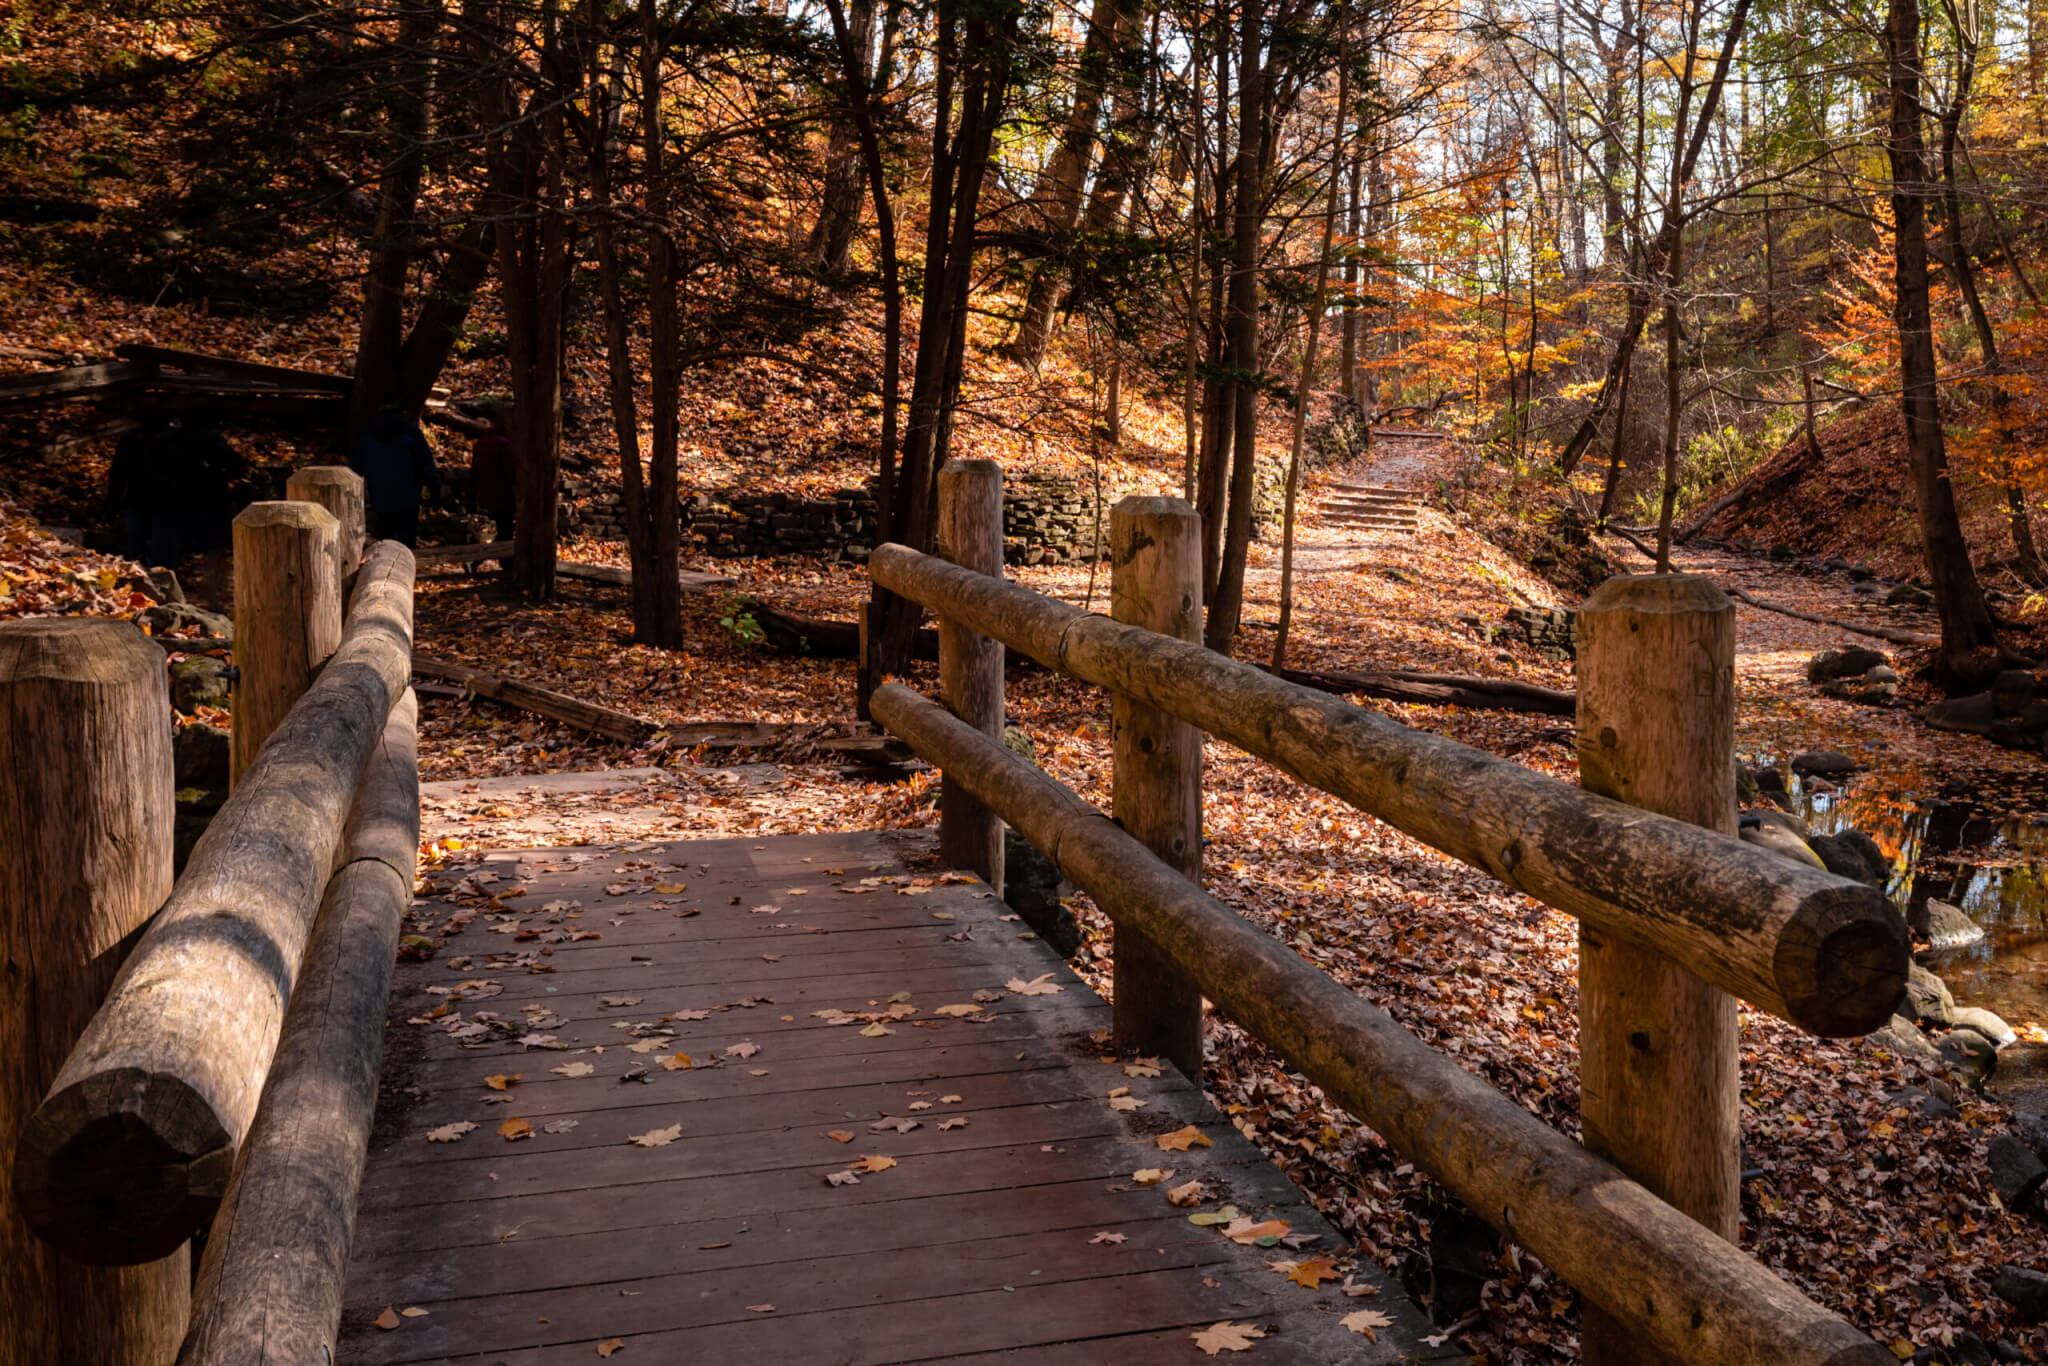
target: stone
175 616
199 682
2011 691
1928 1000
1969 1053
2035 716
1853 661
1861 573
1972 715
1904 1038
1923 1103
1783 554
1881 673
1747 793
1031 888
2025 1290
1853 855
1770 778
2016 1172
1784 820
1776 838
1950 927
1909 595
200 756
1823 763
1988 1024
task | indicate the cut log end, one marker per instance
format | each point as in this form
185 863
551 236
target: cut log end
119 1168
1842 962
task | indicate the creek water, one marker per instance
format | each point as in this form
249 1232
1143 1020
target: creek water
1980 844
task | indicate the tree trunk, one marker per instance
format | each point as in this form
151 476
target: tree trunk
830 244
1969 647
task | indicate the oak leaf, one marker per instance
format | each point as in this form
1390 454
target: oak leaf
574 1069
1366 1321
448 1133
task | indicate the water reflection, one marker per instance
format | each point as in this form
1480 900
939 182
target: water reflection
1981 845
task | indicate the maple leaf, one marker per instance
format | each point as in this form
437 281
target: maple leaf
1107 1237
1366 1321
762 1308
901 1126
657 1138
671 888
1309 1274
574 1069
499 1081
448 1133
874 1162
875 1031
1227 1337
512 1130
1180 1140
1041 985
687 1015
412 1311
677 1062
1141 1068
742 1050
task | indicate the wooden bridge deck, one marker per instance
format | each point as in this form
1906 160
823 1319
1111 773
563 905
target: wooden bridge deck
727 1242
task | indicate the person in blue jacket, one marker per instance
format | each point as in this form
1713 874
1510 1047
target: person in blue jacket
395 461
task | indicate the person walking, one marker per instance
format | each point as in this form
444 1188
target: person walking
491 489
395 461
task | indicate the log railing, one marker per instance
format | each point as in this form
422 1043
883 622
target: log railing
1623 1224
228 1077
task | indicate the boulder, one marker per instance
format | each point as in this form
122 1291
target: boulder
1909 595
1950 927
1776 838
1928 1000
1969 1053
1970 715
200 756
1989 1025
199 682
1904 1038
1854 855
2016 1172
1824 763
176 616
2011 691
1853 661
1770 778
1031 888
1861 573
1923 1103
1784 820
2025 1290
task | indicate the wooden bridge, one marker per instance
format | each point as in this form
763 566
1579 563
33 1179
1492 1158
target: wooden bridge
820 1098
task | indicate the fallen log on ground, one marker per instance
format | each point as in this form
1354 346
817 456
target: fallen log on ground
269 1291
437 555
542 702
1440 690
789 634
693 580
128 1155
1897 637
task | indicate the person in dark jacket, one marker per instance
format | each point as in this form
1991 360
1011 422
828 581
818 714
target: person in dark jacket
491 488
395 461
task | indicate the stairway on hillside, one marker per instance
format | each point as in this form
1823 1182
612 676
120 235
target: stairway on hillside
1373 506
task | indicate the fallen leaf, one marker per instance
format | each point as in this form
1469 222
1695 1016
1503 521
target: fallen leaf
875 1031
618 1001
388 1320
650 1045
1151 1176
950 1100
1220 1216
1310 1274
448 1133
610 1345
1126 1103
987 997
657 1138
559 1126
920 1105
573 1069
671 888
840 1135
499 1081
1183 1196
874 1162
901 1126
1107 1237
1367 1321
1041 985
1227 1337
1248 1231
512 1130
412 1312
687 1015
762 1308
958 1122
842 1179
677 1062
1141 1068
742 1050
1180 1140
968 1008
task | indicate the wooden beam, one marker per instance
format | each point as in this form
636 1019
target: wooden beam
1695 1296
198 363
77 381
531 697
970 534
1828 954
1439 690
270 1286
129 1153
287 615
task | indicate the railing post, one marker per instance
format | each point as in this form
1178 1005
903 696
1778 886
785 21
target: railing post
1156 583
970 534
1659 1070
287 615
339 489
86 812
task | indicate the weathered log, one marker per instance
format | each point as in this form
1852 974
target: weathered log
128 1155
815 638
78 381
531 697
1821 951
199 363
1439 690
269 1291
86 815
970 534
339 489
1895 636
287 614
1660 1086
1700 1299
692 580
435 555
1155 556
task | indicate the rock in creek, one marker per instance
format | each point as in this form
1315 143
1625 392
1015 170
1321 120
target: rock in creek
1949 927
1756 828
1854 855
1928 1000
1989 1025
1824 763
1904 1038
1970 1053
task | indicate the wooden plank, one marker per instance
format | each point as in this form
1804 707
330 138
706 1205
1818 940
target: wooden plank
198 363
77 381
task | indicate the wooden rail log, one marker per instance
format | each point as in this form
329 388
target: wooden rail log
1823 952
128 1155
970 534
1439 690
269 1291
287 614
543 702
1699 1298
339 489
